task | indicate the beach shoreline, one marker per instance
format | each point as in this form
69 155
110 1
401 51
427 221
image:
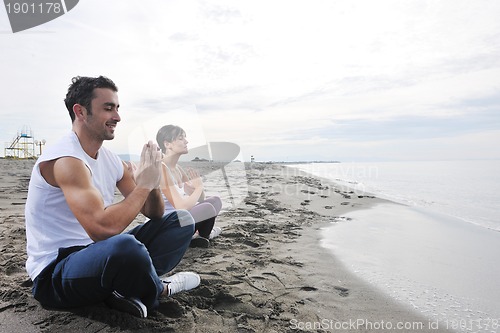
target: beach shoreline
266 273
437 266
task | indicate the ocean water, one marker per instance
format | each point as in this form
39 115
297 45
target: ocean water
437 252
468 190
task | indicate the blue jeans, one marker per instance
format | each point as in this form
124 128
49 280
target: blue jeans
129 263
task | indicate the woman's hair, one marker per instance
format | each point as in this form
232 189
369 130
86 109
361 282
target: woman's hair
168 133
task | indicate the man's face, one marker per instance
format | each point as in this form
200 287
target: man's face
104 117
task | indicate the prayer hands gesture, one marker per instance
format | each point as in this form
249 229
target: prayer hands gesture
194 182
148 173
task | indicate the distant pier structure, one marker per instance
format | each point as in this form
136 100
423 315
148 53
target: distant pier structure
24 145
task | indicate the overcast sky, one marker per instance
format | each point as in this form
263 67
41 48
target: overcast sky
349 80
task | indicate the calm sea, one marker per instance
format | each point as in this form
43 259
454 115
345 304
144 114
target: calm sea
468 190
437 253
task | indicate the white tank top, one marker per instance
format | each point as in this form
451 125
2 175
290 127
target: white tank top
168 205
50 224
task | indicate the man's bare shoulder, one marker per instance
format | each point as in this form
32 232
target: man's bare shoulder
62 169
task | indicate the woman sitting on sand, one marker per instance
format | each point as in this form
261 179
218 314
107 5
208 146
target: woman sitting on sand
184 189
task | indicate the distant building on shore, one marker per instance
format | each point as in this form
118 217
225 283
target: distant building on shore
197 159
24 145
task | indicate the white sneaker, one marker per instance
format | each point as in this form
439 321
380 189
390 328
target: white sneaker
216 231
181 282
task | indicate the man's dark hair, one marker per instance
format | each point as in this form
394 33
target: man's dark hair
81 91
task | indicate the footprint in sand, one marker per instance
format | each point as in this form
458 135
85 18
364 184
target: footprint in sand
171 309
344 292
250 243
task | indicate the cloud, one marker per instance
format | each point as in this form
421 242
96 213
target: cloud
220 13
270 76
414 127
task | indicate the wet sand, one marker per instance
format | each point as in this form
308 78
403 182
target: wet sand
266 273
443 266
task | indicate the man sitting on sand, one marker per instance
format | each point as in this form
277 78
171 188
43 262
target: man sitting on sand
77 253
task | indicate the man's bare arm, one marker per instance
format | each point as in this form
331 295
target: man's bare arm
154 206
85 201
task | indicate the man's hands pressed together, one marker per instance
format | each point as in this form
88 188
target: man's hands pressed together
148 174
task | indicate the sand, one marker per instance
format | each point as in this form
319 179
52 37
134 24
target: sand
265 273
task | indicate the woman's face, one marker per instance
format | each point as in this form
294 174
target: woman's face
179 145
